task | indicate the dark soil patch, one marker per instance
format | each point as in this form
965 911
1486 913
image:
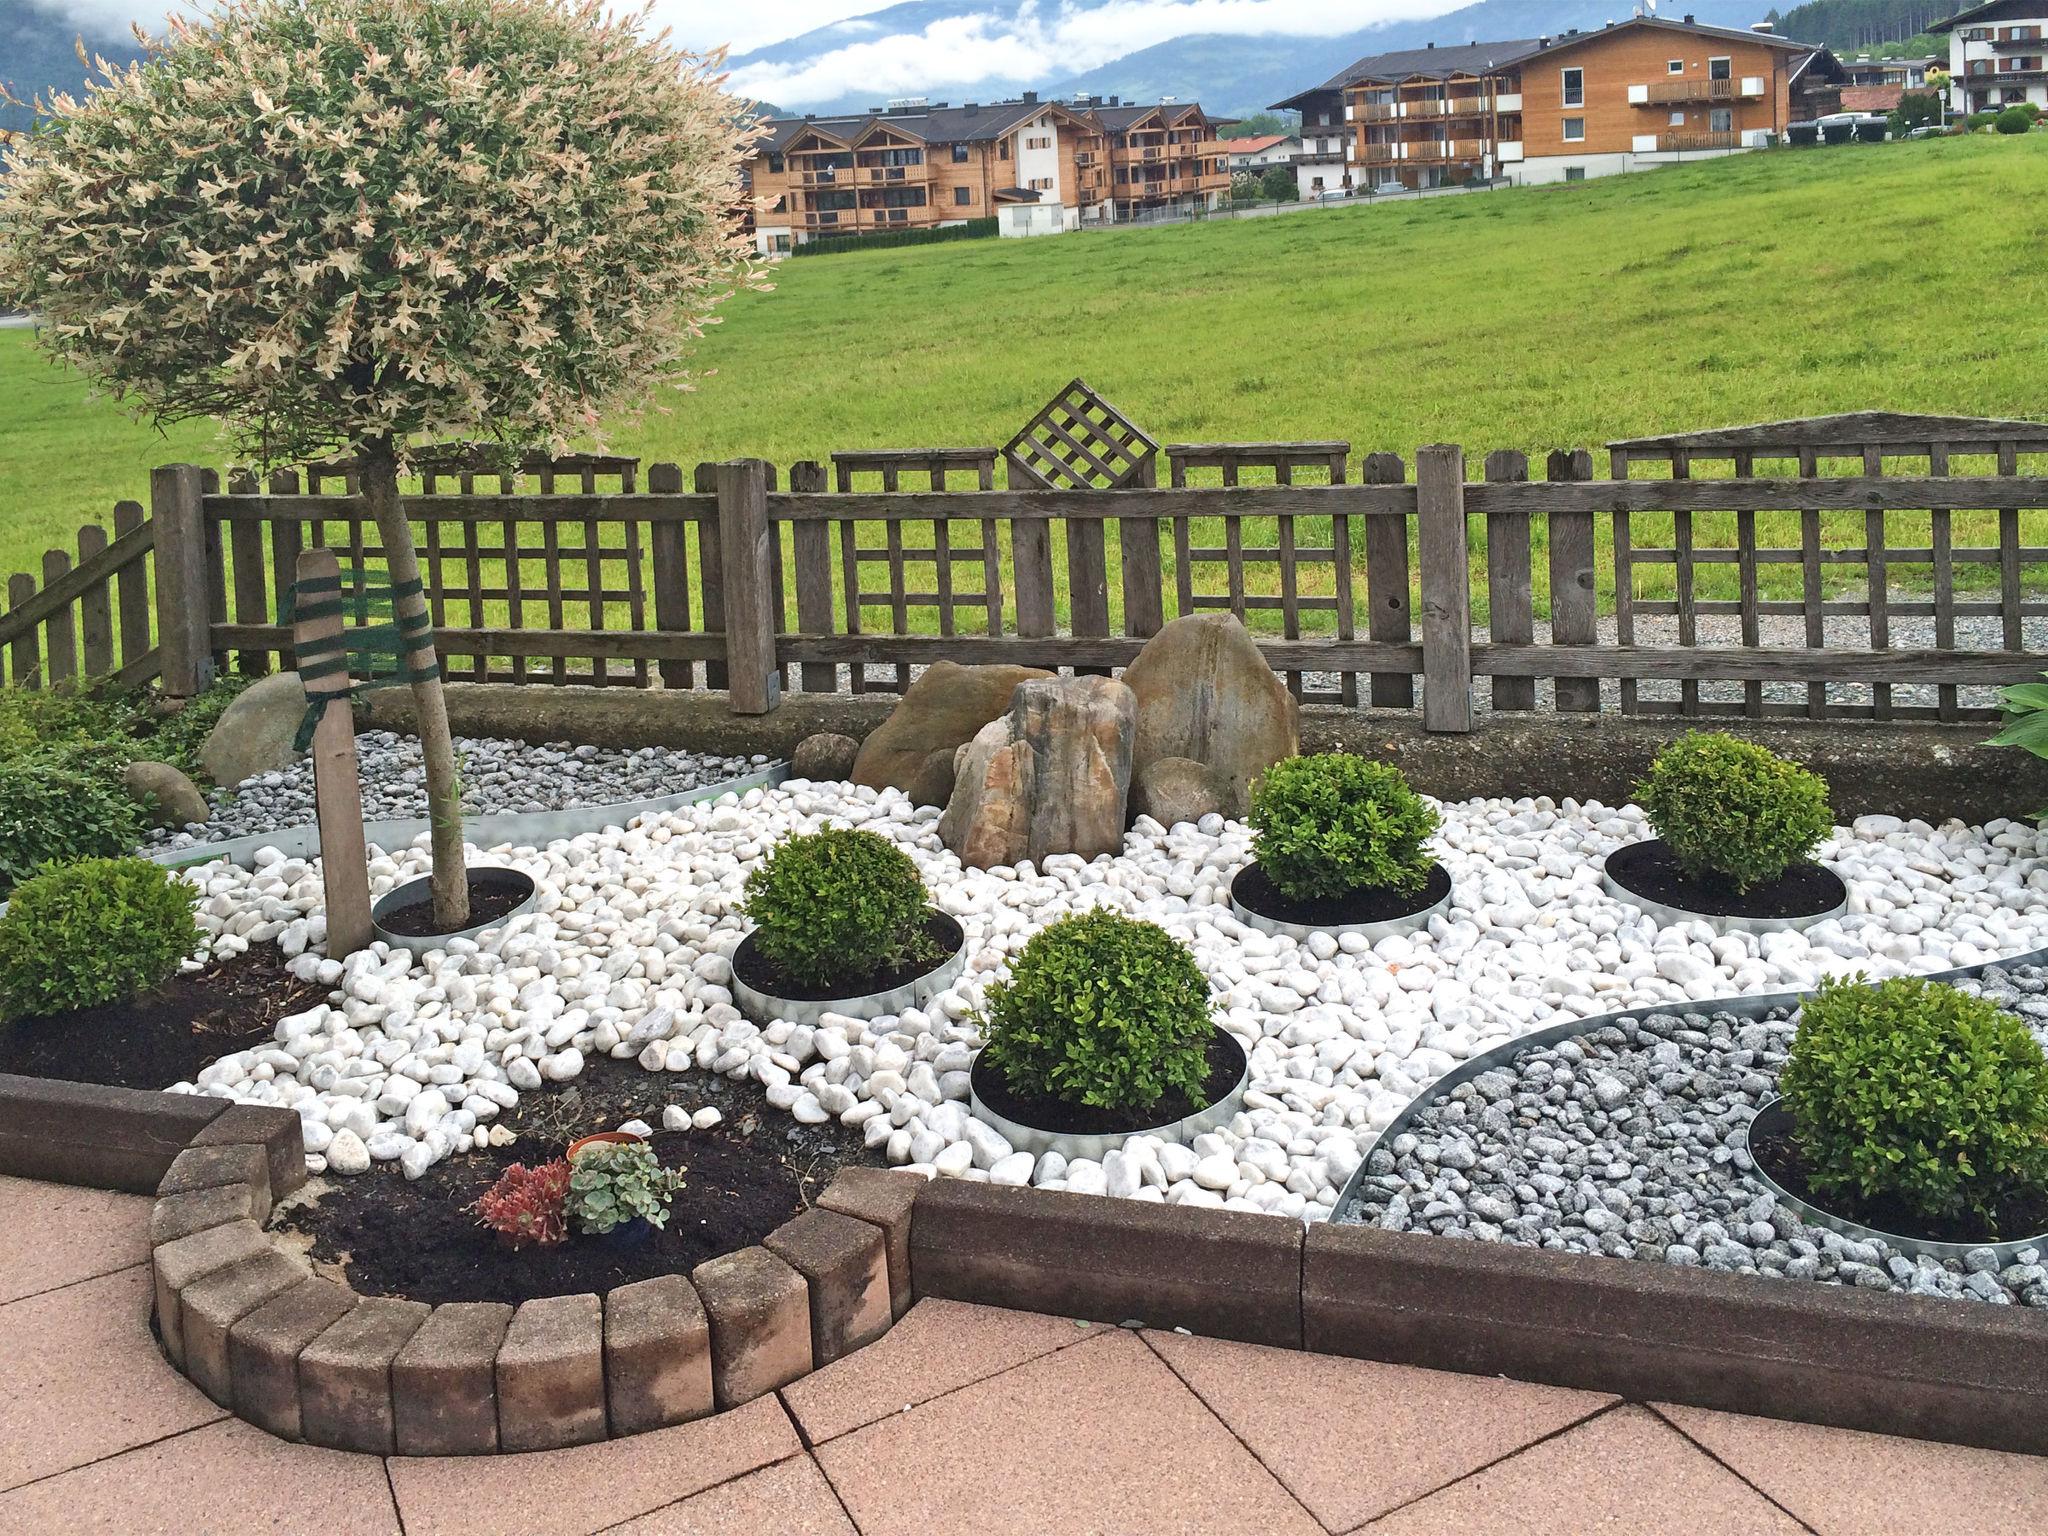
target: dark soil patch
754 968
1772 1144
1377 904
165 1036
1650 869
1226 1066
743 1178
493 893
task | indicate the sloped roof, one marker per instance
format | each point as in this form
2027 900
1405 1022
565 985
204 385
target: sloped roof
1995 11
1256 143
1689 28
931 125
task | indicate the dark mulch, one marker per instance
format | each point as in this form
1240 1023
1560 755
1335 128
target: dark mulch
1650 870
743 1179
1376 904
165 1036
754 968
1773 1145
492 894
1226 1066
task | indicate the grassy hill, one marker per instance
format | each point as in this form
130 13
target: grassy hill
1768 285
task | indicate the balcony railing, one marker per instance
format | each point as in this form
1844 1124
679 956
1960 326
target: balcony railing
1443 151
2011 37
1664 92
1670 143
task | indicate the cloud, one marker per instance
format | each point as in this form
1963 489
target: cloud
1034 43
703 24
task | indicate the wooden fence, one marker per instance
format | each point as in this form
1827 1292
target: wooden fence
1751 575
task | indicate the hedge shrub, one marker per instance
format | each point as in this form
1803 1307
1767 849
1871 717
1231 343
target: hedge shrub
1335 822
1734 810
79 935
1103 1010
838 904
1915 1090
831 245
61 805
2014 119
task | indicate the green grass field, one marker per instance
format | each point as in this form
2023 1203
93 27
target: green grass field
1906 277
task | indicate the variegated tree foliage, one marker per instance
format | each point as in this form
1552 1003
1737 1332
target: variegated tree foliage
327 222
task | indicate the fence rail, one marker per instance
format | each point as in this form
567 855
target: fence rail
1747 580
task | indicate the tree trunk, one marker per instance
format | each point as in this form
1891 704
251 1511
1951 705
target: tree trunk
444 789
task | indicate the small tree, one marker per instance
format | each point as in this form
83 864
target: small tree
1916 109
353 225
1279 184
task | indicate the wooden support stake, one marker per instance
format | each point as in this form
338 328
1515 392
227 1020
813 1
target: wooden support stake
337 791
754 686
1444 544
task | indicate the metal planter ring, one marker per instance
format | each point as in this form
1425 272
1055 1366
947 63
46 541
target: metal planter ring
1074 1144
1664 912
1371 932
420 889
2008 1251
763 1007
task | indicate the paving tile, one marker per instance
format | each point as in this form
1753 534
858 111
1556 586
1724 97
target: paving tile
1101 1437
58 1234
1624 1471
1426 1428
937 1347
1843 1482
587 1487
225 1478
81 1378
790 1498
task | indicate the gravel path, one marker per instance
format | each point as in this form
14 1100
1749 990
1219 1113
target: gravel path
497 777
1622 1142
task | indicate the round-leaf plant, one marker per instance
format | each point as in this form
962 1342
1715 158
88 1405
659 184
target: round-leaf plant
614 1182
1734 811
98 931
1335 823
1103 1010
358 225
839 904
1917 1091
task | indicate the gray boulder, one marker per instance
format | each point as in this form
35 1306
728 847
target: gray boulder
1204 692
824 756
1053 775
171 799
940 711
1175 789
255 733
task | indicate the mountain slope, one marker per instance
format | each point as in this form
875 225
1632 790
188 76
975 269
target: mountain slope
38 54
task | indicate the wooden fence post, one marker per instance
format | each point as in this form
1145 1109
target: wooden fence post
669 550
1574 606
183 603
337 789
754 685
711 570
1386 584
1445 547
1510 605
811 554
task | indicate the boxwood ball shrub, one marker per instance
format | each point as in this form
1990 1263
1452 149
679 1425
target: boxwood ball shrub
838 904
98 931
1103 1010
1918 1091
1733 810
1335 823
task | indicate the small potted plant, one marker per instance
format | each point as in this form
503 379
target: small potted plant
1340 845
1102 1031
842 924
528 1205
1913 1112
619 1191
1736 827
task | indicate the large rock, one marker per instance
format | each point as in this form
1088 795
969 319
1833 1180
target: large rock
171 799
1050 776
824 756
940 711
1175 789
1204 692
255 733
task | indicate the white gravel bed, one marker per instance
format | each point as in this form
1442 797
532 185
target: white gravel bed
628 955
497 777
1626 1142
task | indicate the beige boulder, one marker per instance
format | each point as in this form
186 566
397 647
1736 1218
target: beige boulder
1175 789
1053 775
942 709
824 756
257 732
1205 693
170 799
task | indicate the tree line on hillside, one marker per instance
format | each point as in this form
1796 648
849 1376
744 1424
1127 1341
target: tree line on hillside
1862 24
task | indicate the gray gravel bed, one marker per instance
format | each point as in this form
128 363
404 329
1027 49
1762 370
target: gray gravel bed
498 777
1620 1142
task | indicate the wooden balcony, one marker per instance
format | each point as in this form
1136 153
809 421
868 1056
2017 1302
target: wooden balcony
891 175
2018 37
1445 151
1675 143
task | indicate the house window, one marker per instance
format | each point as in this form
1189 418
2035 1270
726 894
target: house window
962 196
959 154
1721 120
1720 69
1003 149
1678 119
1575 130
1674 66
782 203
1574 90
1575 173
775 165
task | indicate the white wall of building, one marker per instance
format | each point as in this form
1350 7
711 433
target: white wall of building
1965 89
1038 165
1023 221
770 238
